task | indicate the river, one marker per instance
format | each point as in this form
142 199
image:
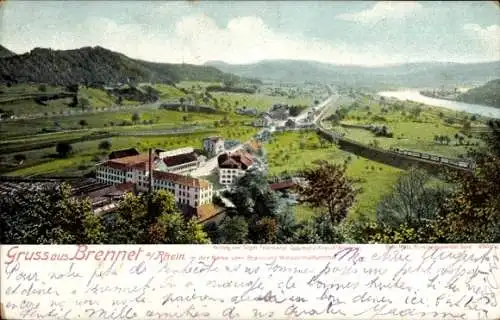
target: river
414 95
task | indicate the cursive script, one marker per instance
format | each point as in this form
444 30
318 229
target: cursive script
254 282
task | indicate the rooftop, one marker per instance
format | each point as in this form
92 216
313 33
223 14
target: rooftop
254 146
139 161
180 179
283 185
123 153
213 139
179 159
237 160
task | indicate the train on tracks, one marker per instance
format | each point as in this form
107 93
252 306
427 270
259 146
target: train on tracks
461 163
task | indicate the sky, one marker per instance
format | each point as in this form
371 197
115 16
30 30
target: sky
352 32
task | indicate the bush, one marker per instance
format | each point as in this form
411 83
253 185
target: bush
64 149
104 145
20 157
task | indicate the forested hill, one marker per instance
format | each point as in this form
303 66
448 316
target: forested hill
4 52
98 65
488 94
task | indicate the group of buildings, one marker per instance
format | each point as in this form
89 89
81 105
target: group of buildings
279 115
171 170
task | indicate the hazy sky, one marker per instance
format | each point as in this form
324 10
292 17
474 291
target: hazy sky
367 33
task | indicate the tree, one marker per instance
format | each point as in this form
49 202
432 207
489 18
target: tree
322 141
104 145
20 158
251 195
84 103
233 230
42 88
83 123
136 117
466 127
152 219
472 212
269 219
267 230
63 149
48 215
416 111
445 140
327 186
411 202
72 88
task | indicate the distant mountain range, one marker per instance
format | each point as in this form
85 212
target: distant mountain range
424 74
4 52
98 65
488 94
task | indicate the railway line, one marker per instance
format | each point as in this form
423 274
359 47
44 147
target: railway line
415 156
393 153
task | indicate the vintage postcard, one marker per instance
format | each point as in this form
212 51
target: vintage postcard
282 159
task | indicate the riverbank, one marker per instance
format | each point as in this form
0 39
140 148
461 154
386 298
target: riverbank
416 96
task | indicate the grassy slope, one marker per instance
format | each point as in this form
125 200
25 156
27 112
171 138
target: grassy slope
377 179
102 120
97 98
259 101
408 133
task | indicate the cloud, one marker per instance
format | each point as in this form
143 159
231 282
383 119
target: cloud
489 38
383 10
174 32
197 39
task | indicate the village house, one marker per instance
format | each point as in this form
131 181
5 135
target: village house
135 170
233 165
213 145
279 112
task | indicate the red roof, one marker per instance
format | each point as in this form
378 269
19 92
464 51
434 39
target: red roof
178 159
180 179
283 185
237 160
255 146
137 162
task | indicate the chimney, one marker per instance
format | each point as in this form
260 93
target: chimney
150 168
